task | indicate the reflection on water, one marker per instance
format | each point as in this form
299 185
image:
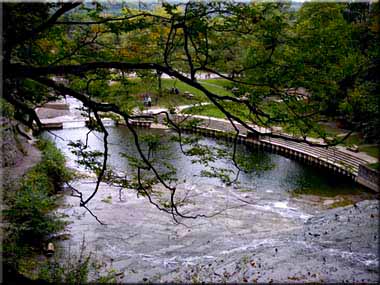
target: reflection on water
270 173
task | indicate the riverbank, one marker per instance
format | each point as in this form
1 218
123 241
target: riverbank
30 196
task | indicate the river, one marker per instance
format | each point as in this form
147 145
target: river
254 227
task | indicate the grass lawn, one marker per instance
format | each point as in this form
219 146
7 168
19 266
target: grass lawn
208 110
138 89
212 111
182 87
217 89
354 138
331 130
216 86
218 81
372 150
375 165
169 100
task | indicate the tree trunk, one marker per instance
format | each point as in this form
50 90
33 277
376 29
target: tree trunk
159 75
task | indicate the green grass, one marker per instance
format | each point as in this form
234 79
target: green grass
353 139
218 81
215 87
168 100
273 108
182 87
372 150
375 166
242 113
213 111
331 131
207 110
137 89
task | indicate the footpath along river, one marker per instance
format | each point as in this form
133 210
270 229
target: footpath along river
263 231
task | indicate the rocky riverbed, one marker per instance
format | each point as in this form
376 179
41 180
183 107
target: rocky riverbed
340 245
259 240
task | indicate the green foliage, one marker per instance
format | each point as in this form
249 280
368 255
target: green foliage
327 48
191 123
7 110
53 163
321 49
205 110
375 166
254 161
28 211
156 152
372 150
221 173
90 159
75 269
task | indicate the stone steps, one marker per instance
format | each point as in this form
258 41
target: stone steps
329 153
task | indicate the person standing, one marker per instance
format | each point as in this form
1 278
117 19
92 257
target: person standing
145 100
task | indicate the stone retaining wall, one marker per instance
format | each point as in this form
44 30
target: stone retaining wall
368 177
221 128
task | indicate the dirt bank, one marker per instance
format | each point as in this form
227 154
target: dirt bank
17 155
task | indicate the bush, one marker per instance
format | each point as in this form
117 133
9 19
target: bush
53 164
7 110
28 213
76 269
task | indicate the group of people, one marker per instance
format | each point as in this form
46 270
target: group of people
174 90
147 101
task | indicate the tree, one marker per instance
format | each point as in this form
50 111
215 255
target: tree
343 52
262 48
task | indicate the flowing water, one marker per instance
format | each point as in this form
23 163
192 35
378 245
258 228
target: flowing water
258 214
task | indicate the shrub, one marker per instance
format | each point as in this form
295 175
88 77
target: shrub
76 269
28 213
53 164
